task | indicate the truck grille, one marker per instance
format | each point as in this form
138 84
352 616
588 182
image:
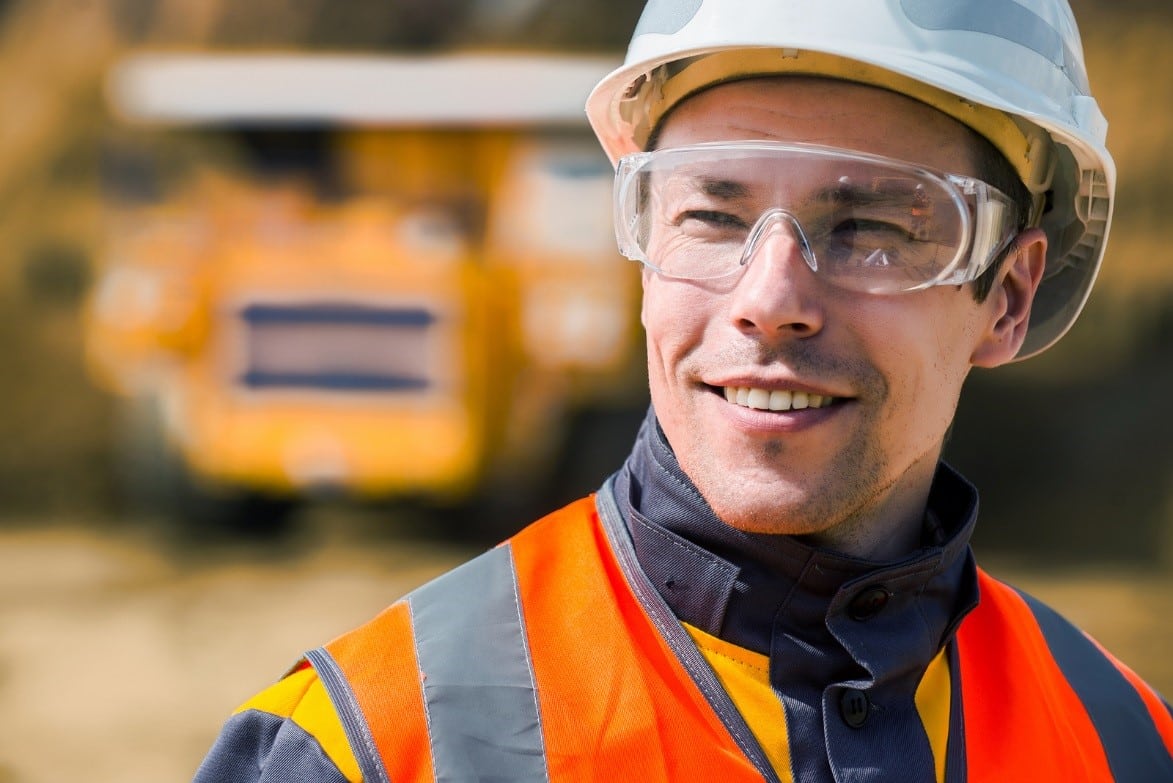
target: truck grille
337 347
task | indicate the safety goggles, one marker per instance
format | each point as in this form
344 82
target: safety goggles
863 222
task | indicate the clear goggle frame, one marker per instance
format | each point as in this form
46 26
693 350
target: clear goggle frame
862 222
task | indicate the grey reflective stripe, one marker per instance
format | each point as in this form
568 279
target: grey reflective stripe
478 683
1132 743
354 724
666 17
1005 19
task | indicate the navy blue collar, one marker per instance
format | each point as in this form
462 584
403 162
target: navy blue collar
752 589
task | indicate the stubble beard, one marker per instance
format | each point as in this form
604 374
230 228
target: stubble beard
782 500
775 495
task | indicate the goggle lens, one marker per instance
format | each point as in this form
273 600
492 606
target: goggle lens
863 222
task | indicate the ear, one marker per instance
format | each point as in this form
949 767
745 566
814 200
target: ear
1009 301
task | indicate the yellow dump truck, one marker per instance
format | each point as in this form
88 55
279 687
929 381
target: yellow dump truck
389 278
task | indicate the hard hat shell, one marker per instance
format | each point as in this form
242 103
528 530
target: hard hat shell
1012 70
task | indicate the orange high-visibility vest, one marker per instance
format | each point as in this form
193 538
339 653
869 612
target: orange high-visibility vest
550 658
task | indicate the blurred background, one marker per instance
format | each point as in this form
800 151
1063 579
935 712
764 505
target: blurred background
275 322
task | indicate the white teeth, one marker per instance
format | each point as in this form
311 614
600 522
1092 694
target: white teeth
757 398
777 400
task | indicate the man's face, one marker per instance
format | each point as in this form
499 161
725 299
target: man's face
855 471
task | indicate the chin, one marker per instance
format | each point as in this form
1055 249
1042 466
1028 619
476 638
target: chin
769 517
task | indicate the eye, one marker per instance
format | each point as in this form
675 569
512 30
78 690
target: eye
710 218
863 226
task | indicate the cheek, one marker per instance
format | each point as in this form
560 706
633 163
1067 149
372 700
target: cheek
675 318
923 361
646 281
935 362
674 314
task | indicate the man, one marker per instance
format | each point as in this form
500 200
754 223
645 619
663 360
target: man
841 207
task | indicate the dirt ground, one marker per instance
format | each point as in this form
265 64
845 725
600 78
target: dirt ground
120 655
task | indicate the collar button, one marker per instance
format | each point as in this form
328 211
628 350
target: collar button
854 707
868 603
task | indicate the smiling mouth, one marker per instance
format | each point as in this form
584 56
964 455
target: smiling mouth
776 400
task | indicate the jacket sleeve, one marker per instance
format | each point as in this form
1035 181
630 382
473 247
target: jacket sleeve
288 733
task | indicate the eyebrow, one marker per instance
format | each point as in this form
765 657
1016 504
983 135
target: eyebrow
726 189
851 194
857 194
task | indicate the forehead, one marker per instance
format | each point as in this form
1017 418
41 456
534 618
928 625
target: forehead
827 112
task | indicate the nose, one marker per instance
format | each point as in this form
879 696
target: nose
777 294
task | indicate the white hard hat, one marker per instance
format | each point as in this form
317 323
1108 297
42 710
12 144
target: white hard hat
1012 70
